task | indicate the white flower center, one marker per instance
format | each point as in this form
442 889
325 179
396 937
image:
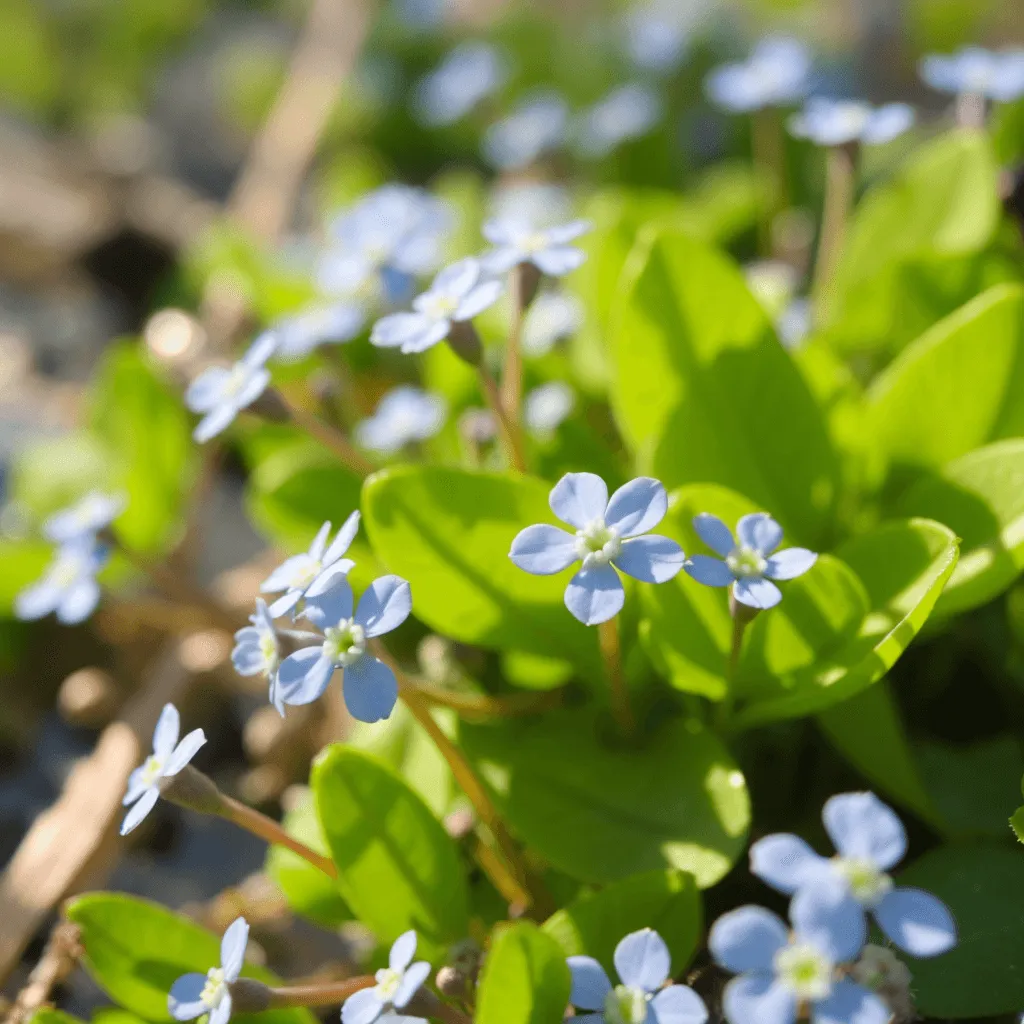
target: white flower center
597 544
345 643
268 650
305 573
625 1004
851 118
237 381
439 306
388 980
804 970
744 562
535 241
215 989
152 770
66 571
867 883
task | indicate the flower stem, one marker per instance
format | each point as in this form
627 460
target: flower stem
742 616
510 437
611 651
840 182
474 705
769 149
328 436
425 1004
512 373
329 994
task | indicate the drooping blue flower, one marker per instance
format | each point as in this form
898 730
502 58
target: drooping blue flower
776 74
828 122
459 293
517 240
299 335
396 985
535 127
369 686
405 414
87 517
168 758
747 564
193 995
643 963
779 969
871 840
220 394
608 533
551 317
628 112
257 650
69 585
311 573
546 407
975 71
656 36
469 74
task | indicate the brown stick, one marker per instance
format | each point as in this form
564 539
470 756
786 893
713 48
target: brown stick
58 960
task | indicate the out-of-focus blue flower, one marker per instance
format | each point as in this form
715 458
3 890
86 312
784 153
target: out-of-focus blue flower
537 126
546 407
517 241
369 686
794 323
168 758
421 15
774 283
95 512
778 969
747 563
997 76
257 651
299 335
458 293
828 122
552 316
871 840
643 963
405 414
69 586
469 74
656 36
192 995
607 534
537 202
627 112
396 985
220 394
776 73
309 574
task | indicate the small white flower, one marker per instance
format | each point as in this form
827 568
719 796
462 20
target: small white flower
546 407
518 241
95 512
405 414
535 127
551 317
193 995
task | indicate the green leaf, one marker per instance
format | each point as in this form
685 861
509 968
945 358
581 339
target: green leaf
1017 823
448 532
693 352
397 867
24 562
600 813
983 975
48 1015
135 950
981 497
595 923
525 979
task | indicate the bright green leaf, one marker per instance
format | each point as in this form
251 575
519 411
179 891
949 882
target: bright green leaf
48 1015
1017 823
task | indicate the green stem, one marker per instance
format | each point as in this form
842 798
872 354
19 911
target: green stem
742 616
768 142
610 643
840 183
329 437
510 437
328 994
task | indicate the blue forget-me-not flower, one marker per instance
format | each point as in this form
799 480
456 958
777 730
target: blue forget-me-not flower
780 970
747 562
643 964
976 71
168 758
299 335
405 414
193 995
396 985
608 533
535 127
68 587
828 122
87 517
312 572
369 686
627 112
871 840
469 74
221 393
257 650
517 240
547 406
777 73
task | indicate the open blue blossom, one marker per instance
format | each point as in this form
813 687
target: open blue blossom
777 73
517 240
168 758
828 122
257 651
871 840
780 969
299 335
976 71
628 112
535 127
95 512
457 294
396 985
369 686
311 573
552 316
656 36
69 587
220 393
643 964
607 534
193 995
747 563
469 74
546 407
405 414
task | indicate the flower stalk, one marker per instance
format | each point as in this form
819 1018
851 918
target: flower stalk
610 643
840 184
330 437
523 282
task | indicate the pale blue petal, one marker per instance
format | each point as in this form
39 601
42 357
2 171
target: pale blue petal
560 234
328 579
304 675
385 605
343 541
167 731
824 914
410 984
747 939
260 350
712 572
642 960
207 390
482 297
136 786
254 387
403 949
679 1004
888 122
850 1003
503 259
579 499
788 564
395 330
637 507
185 751
458 279
78 603
38 600
758 999
590 984
214 423
370 690
247 658
757 593
362 1007
786 862
183 1002
232 948
285 604
759 531
916 921
543 550
559 260
221 1014
595 595
651 559
290 569
428 337
861 826
714 533
316 549
139 810
330 607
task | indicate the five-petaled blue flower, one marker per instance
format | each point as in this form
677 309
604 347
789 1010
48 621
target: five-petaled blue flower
257 650
405 414
369 686
976 71
95 512
396 985
534 128
781 970
747 563
192 995
220 393
459 293
168 758
69 585
643 963
469 74
870 839
607 534
299 335
517 240
829 122
311 573
627 112
776 73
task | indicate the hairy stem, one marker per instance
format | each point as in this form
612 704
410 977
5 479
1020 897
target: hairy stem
510 437
329 994
840 182
610 643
